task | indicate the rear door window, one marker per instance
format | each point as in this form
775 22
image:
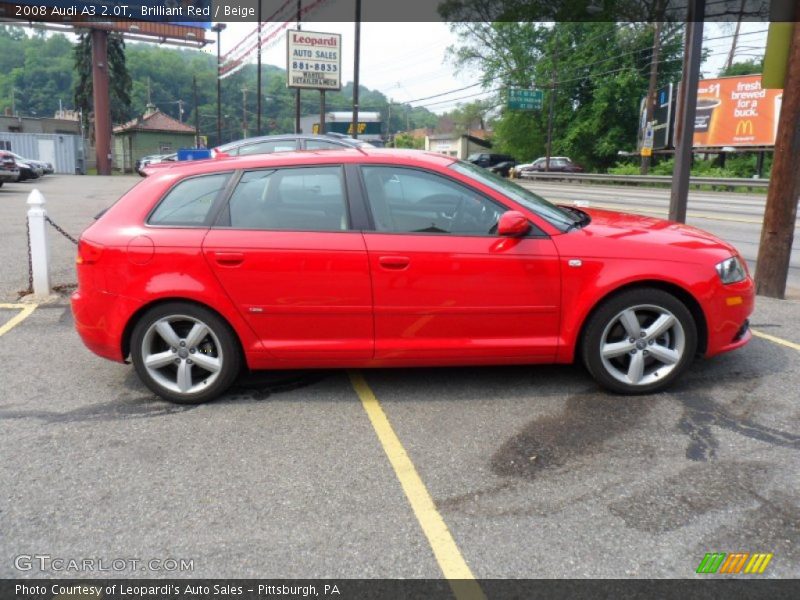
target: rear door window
297 199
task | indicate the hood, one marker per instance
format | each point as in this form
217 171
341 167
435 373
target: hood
626 235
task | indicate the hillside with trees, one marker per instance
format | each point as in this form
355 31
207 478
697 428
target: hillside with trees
38 70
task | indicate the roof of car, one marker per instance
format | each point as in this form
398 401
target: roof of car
343 139
305 157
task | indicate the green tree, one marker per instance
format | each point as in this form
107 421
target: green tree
119 79
600 71
404 140
747 67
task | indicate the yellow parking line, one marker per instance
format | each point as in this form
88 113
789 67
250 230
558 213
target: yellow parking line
447 554
776 340
25 311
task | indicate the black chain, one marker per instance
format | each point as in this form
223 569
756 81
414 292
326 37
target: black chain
30 260
58 229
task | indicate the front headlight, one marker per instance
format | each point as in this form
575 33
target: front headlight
731 270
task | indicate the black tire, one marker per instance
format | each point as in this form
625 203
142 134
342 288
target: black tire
610 355
190 362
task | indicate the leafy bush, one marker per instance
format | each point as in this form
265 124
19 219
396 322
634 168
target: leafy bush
624 169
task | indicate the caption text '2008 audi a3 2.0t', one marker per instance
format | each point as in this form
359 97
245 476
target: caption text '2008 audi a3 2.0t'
381 258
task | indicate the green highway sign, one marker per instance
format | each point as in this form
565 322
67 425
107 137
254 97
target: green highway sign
521 99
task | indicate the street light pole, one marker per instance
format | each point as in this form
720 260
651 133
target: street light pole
356 68
297 91
218 29
258 74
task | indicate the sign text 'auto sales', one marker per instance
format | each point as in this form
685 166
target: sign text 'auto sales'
313 60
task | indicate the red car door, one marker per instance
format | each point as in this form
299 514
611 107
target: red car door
284 252
446 286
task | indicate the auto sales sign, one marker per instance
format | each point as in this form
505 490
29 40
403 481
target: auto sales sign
313 60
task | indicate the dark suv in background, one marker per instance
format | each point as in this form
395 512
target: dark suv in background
486 160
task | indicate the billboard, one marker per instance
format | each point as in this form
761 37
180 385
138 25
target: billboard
737 112
313 60
182 20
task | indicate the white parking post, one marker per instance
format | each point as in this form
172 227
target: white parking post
40 257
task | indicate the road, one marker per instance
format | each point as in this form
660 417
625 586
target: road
527 471
735 218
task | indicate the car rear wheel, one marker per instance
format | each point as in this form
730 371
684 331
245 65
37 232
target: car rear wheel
639 341
185 353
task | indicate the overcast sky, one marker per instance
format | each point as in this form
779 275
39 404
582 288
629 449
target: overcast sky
406 61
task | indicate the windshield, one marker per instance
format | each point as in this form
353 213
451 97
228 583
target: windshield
558 217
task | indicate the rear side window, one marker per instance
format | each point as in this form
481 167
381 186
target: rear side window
298 199
189 202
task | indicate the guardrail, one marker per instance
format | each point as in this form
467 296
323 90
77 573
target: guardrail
723 182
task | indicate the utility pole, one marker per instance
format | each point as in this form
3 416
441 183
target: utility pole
258 74
553 86
651 87
244 111
297 91
218 29
180 111
777 232
196 113
322 112
735 41
102 103
389 121
356 68
684 120
13 102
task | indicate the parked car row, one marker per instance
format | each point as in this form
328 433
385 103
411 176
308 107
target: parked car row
14 167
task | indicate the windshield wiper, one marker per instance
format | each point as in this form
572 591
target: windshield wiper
583 218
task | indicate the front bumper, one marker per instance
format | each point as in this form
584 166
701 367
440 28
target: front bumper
727 316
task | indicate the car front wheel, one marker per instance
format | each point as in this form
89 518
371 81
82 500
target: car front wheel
185 353
639 341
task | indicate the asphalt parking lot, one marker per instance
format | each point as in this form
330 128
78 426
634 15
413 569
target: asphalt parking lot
501 472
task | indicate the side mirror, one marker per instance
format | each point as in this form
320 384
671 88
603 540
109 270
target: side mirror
513 223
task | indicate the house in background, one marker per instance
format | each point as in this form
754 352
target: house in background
457 145
152 133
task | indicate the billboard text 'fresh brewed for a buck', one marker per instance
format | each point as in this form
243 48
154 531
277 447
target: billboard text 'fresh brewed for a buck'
736 111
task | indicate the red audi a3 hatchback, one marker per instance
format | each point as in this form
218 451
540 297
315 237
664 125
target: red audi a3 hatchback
385 258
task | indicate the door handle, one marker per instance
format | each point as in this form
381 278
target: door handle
394 262
228 259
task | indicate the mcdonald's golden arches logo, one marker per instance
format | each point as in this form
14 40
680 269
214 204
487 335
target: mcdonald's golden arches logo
744 127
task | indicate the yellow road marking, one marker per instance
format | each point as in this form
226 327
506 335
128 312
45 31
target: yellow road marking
25 311
447 554
776 340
